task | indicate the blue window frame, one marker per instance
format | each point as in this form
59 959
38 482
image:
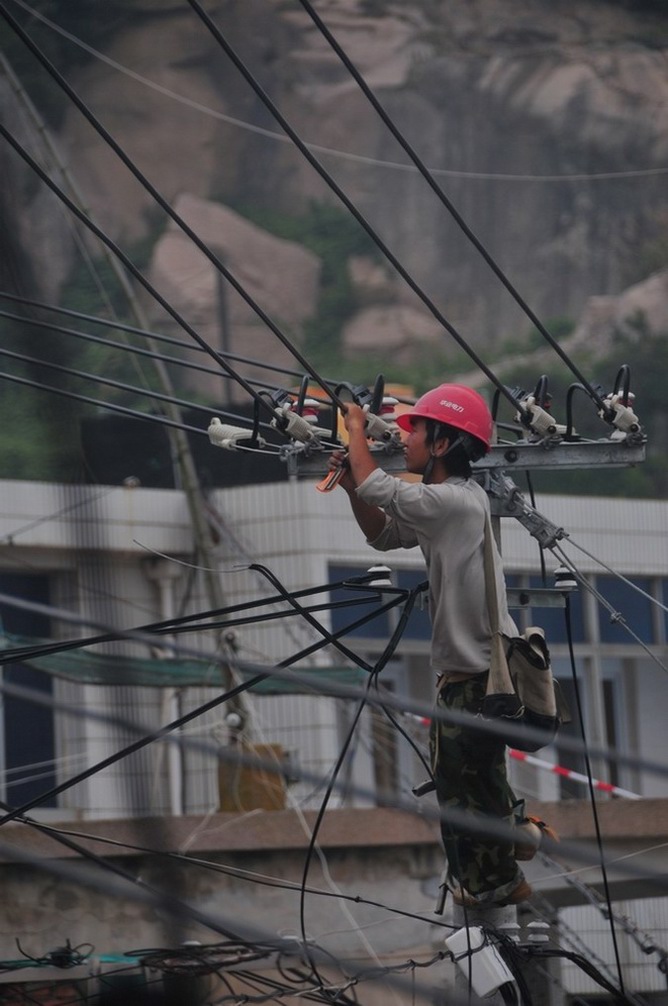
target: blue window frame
377 627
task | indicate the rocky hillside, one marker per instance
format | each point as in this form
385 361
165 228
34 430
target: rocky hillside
544 122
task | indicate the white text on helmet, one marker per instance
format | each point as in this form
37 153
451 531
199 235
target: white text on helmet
451 405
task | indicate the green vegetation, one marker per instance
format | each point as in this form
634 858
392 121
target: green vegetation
40 431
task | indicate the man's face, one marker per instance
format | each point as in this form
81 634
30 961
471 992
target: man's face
418 451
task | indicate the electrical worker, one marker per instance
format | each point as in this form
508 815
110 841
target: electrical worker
448 428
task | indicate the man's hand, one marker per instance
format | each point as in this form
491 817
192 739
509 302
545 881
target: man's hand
338 462
354 418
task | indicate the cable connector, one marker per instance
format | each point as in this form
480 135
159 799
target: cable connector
301 428
379 429
620 415
231 437
540 420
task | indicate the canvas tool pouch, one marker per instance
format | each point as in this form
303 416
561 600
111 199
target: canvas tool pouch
520 685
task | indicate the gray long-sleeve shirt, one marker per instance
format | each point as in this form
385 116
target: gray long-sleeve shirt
447 521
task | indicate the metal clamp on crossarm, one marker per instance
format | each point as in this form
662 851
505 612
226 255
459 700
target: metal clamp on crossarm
507 501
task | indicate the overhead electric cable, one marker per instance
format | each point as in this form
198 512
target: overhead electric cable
447 203
108 381
168 340
128 263
181 623
123 410
619 576
141 392
251 127
151 354
181 223
350 206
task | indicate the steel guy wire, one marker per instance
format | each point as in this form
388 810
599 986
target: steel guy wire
616 617
319 148
618 575
350 206
446 202
178 220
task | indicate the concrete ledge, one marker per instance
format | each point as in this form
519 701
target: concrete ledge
266 831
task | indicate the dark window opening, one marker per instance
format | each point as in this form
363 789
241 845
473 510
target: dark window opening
29 743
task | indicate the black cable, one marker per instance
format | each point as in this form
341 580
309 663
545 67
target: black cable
389 649
178 220
436 188
123 410
592 795
140 351
108 381
350 206
181 623
161 732
168 340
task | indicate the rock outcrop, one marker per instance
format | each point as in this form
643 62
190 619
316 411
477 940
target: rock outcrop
545 125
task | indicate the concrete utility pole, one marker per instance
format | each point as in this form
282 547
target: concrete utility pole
181 454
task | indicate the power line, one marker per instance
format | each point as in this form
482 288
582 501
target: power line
594 176
126 347
446 202
181 223
349 205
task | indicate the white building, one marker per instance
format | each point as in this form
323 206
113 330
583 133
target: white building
123 557
120 557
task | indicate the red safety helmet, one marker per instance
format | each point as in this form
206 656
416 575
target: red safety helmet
458 406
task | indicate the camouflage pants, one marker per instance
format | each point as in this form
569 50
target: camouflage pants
469 769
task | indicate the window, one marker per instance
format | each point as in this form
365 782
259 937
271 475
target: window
355 607
27 751
635 609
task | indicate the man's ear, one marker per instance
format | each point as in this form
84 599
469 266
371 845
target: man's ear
440 447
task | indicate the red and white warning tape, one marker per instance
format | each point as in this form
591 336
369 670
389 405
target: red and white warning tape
567 773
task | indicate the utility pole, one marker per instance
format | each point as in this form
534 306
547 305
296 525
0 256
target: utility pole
182 456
